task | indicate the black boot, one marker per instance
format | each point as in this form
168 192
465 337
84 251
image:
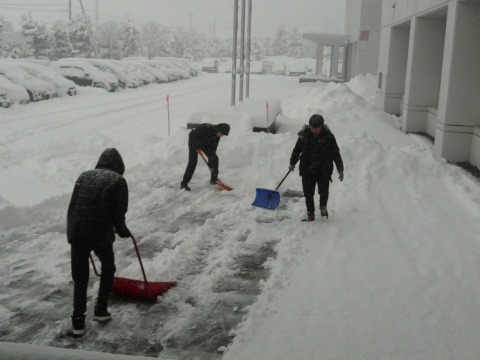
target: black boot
184 185
324 212
78 325
101 314
310 217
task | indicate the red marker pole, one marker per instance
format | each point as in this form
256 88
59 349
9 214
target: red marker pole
268 130
168 111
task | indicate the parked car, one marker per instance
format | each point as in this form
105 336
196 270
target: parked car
84 73
159 75
279 68
210 65
62 85
267 66
15 93
4 102
37 89
297 68
137 70
182 63
124 80
256 67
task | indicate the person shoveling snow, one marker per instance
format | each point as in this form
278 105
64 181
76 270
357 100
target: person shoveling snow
317 150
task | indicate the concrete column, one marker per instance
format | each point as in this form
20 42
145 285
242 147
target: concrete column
318 70
393 65
334 61
424 70
459 100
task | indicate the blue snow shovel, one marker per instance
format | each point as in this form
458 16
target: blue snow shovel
268 199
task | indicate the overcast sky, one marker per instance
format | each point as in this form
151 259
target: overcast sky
205 16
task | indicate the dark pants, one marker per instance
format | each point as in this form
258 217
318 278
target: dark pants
192 163
103 249
308 183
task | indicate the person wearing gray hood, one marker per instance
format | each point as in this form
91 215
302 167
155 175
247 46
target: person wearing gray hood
205 137
96 212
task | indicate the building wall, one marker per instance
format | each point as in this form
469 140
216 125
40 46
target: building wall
363 25
352 21
440 80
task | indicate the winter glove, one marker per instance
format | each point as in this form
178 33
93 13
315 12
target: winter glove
123 231
291 167
340 175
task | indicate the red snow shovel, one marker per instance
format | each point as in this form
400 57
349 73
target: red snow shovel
219 183
137 288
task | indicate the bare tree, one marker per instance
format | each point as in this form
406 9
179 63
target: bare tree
109 35
154 39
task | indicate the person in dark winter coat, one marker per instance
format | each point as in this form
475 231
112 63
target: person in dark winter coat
317 150
205 137
97 210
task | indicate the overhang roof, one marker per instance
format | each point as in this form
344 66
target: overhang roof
327 39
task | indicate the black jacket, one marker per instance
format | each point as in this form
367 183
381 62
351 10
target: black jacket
204 137
99 200
317 153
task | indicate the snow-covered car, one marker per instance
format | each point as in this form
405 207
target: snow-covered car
179 63
297 68
4 102
37 89
137 70
84 73
62 85
210 65
15 93
256 67
124 80
278 68
159 75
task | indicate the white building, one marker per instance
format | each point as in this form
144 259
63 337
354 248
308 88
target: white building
356 52
429 72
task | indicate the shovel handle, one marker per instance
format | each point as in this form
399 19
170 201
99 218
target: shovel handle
203 157
281 182
139 258
138 255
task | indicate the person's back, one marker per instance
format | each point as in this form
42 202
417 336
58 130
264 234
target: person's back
99 200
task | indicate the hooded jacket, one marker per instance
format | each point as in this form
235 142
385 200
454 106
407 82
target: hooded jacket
204 137
317 153
99 200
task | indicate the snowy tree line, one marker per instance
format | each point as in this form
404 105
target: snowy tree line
120 39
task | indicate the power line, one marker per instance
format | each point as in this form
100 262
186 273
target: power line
29 9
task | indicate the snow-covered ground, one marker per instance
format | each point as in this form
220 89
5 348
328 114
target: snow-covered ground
393 274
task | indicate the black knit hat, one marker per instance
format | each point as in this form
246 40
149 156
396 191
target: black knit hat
316 121
223 128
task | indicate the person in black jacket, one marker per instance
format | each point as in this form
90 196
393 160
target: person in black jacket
317 150
97 210
205 137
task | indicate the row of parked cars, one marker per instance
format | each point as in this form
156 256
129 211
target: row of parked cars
25 80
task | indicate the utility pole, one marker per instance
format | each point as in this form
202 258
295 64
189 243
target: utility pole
70 10
242 52
234 49
191 40
249 37
214 19
96 16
